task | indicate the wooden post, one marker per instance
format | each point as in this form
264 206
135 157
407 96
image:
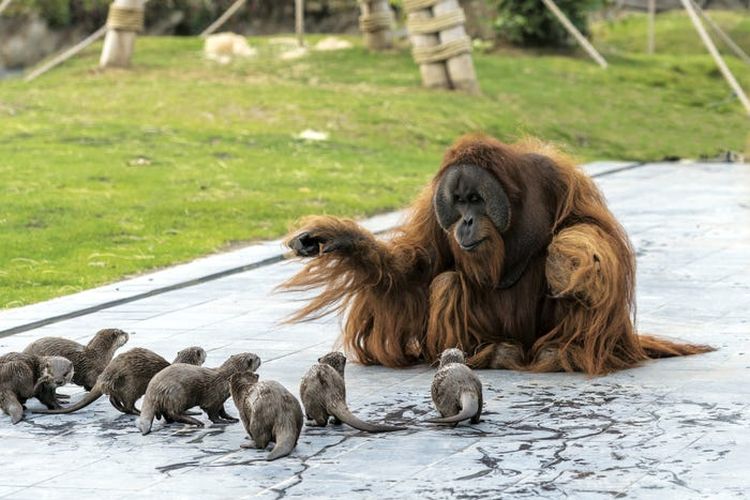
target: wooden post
299 21
460 67
722 34
232 10
590 50
4 5
440 45
125 20
728 76
376 22
434 74
651 25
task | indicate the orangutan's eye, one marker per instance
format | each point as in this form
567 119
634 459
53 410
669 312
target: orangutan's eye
474 198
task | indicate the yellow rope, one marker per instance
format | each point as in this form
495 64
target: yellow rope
125 19
442 52
436 24
414 5
376 21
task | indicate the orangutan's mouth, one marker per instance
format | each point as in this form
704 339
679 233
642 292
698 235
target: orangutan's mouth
471 246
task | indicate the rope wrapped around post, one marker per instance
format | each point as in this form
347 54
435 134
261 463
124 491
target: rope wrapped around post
442 52
125 19
376 21
440 45
415 5
437 23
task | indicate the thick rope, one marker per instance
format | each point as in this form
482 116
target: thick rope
436 24
376 21
442 52
415 5
125 19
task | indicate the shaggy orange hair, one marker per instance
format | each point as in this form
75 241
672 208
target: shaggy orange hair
409 298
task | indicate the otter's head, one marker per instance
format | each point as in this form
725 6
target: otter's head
452 356
191 356
240 382
335 359
57 370
109 339
243 362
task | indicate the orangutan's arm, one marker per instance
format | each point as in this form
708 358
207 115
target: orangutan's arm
346 259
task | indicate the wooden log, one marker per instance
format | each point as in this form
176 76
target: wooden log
379 37
232 10
4 5
590 50
651 26
119 42
725 71
434 74
66 54
299 21
723 35
460 68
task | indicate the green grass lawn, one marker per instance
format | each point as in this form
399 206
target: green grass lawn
107 174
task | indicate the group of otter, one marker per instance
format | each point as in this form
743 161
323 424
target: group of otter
269 412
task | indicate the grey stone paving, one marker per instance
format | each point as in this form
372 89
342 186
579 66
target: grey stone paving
675 428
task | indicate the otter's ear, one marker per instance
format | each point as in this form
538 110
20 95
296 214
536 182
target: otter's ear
442 199
534 212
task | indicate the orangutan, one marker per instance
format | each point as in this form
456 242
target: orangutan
509 254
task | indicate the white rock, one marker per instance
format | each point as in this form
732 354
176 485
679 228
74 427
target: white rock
333 43
222 47
313 135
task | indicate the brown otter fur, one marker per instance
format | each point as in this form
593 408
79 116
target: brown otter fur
456 390
323 391
23 376
90 360
126 378
268 411
179 387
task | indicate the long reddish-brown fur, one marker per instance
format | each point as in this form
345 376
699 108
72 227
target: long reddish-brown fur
410 297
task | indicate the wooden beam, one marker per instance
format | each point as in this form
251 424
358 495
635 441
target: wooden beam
67 54
4 5
723 35
590 50
651 26
232 10
299 21
725 71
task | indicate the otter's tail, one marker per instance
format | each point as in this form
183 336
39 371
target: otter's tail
343 413
656 347
469 408
89 398
286 440
146 420
10 405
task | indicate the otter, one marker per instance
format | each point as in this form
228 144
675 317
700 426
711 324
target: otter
268 411
23 376
456 390
90 360
179 387
323 391
126 378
